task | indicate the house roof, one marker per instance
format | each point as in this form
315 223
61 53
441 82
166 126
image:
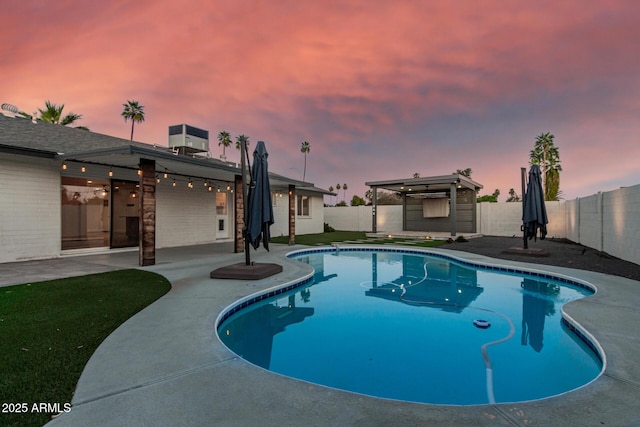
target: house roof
21 136
431 184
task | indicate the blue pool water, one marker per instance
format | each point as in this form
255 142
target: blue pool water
400 325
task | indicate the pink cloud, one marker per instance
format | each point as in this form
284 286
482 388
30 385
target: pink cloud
380 90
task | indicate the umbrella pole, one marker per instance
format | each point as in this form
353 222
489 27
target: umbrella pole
523 174
243 150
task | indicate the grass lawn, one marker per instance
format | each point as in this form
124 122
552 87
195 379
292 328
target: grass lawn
51 329
322 238
352 236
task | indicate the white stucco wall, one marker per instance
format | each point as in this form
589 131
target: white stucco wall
359 218
505 219
29 208
187 216
304 225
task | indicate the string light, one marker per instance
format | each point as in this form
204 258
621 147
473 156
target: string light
64 166
166 175
139 172
110 172
83 169
174 182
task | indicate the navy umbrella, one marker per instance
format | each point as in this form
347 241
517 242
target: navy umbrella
259 207
534 213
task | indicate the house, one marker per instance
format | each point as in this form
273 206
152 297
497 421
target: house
65 191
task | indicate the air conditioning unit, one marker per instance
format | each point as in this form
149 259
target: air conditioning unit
188 139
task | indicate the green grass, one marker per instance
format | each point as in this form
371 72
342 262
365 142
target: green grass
352 236
322 238
49 330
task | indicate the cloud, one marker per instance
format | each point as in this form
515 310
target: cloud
380 90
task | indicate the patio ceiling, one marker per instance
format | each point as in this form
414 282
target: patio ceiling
176 164
432 184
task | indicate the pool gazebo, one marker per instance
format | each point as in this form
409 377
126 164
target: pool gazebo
433 204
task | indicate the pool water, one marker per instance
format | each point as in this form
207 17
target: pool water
400 325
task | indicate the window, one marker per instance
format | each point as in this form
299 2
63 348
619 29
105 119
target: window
221 203
304 206
85 213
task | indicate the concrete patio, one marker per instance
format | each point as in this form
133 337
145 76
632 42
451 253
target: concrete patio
165 366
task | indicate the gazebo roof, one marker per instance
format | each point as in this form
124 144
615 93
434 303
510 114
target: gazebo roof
430 184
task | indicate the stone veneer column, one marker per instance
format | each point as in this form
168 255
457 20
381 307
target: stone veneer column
292 215
147 242
239 226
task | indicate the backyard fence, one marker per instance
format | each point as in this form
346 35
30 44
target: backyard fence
606 221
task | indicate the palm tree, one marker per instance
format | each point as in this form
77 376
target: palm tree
305 148
546 155
331 188
133 111
344 187
52 113
224 139
240 139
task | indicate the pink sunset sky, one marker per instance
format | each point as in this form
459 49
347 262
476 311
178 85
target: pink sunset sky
380 89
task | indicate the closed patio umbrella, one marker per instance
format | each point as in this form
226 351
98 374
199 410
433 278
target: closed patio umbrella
258 217
259 209
534 213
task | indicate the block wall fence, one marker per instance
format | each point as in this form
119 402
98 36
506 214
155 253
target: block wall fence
606 221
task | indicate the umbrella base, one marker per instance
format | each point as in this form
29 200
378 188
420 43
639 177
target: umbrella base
241 271
527 252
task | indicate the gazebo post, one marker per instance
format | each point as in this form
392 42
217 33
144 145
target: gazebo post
374 208
453 201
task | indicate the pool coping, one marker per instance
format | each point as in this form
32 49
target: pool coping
166 366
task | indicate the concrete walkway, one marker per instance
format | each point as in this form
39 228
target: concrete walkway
166 367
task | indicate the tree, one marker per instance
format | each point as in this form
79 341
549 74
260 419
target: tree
133 111
224 139
369 195
305 148
240 139
344 188
331 188
416 175
387 198
546 155
513 196
489 198
52 113
357 201
466 172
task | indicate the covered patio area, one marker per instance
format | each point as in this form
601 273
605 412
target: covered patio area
433 205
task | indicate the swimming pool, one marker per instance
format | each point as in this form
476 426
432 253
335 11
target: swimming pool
408 325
